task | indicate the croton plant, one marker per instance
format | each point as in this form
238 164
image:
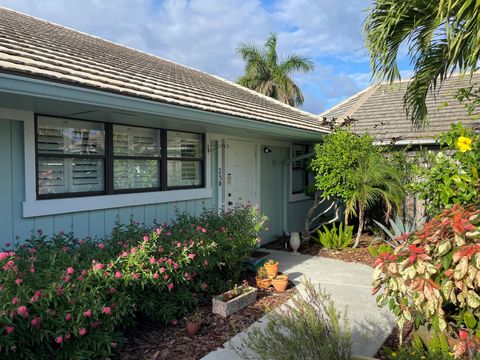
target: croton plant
433 277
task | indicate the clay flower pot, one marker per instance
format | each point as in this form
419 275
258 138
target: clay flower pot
263 283
272 268
192 327
280 283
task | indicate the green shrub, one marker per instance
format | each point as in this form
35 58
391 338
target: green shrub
437 349
335 239
65 298
309 328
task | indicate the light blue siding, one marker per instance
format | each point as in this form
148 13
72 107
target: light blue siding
98 223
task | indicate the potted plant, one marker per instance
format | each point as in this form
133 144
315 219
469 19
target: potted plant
280 282
272 267
233 300
194 322
263 281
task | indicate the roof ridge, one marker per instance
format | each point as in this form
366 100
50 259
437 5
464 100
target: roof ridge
346 100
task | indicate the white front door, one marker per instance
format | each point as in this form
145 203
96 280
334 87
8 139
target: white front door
241 174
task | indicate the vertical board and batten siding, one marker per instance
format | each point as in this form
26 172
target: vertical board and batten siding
97 223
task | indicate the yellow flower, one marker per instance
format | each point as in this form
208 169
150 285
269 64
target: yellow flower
393 355
463 143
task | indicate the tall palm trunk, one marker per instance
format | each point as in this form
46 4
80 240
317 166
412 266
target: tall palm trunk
361 220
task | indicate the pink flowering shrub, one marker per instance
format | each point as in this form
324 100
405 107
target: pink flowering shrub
66 298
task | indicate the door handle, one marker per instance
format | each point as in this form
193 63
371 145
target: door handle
230 203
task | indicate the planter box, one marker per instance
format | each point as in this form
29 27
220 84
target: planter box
224 309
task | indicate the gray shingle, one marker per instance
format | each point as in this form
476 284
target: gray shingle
34 47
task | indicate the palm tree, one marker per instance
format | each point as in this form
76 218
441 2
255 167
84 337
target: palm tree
269 75
375 180
442 36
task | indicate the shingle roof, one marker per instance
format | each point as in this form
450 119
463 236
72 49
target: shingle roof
34 47
379 110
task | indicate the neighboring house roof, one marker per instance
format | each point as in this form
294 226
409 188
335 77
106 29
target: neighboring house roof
379 110
34 47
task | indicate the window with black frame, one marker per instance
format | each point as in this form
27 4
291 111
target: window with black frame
84 158
136 158
185 154
70 157
299 169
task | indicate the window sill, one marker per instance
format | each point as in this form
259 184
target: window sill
88 203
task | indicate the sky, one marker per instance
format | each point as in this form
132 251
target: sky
204 34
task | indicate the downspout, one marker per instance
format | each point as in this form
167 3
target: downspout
286 192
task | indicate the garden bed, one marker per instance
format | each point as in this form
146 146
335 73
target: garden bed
154 341
359 255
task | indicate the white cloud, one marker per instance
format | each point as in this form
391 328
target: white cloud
204 33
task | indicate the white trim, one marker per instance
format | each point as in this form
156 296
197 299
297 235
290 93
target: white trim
63 206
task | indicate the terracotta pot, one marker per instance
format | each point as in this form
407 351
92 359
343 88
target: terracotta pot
272 270
263 283
281 284
192 328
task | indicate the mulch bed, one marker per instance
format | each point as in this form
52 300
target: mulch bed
393 341
154 341
358 255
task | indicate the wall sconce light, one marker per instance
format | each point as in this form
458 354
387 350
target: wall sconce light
267 150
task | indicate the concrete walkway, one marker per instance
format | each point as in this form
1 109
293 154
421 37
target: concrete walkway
349 285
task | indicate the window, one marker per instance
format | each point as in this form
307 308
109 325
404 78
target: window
299 169
184 159
136 158
83 158
70 157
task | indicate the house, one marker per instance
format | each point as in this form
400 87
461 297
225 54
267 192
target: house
92 131
379 111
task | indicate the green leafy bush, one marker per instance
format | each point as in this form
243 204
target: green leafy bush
309 328
433 277
450 176
65 298
335 239
436 349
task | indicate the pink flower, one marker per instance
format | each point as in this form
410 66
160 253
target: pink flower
204 230
124 254
84 272
9 329
170 261
170 286
179 244
32 269
36 321
113 344
80 278
152 260
166 277
199 228
204 285
161 250
101 246
32 250
68 317
168 234
34 299
15 300
18 281
3 255
82 331
158 231
162 270
133 250
136 276
191 256
113 290
118 274
67 336
146 238
98 266
67 278
156 275
175 266
206 262
106 310
59 339
65 249
87 314
22 311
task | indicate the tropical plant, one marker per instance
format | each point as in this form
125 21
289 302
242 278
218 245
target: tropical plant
335 239
441 36
309 328
399 227
433 278
268 74
352 169
451 175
